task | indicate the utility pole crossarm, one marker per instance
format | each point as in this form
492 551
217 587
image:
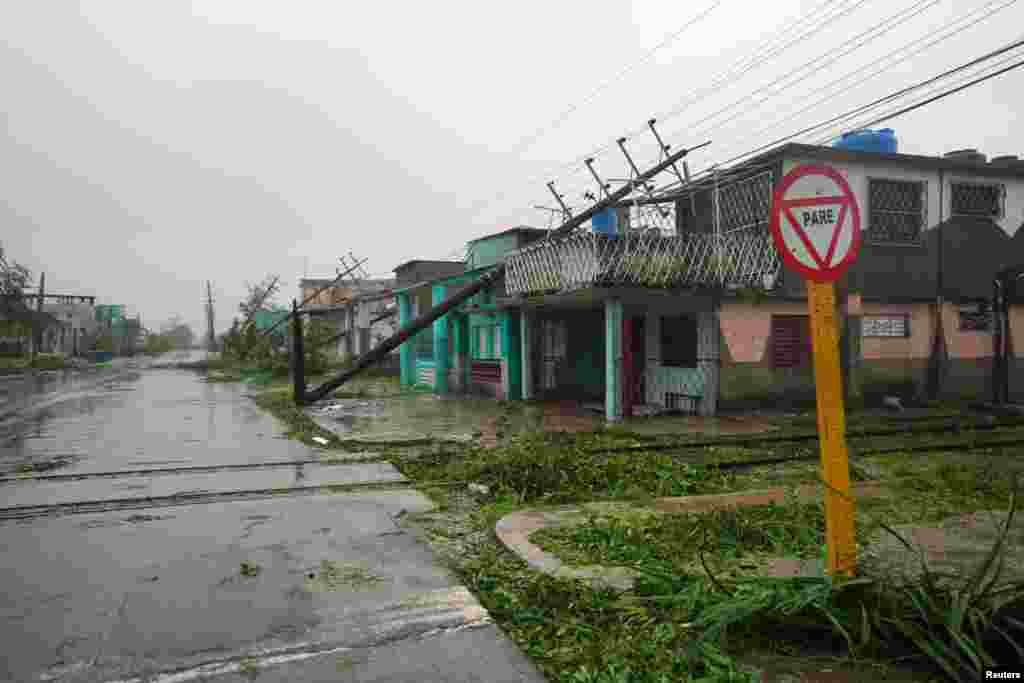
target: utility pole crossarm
312 296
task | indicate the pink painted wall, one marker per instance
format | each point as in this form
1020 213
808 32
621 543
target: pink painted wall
747 327
916 346
1017 329
964 344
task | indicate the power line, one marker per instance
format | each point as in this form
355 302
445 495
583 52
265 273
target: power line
757 56
822 61
647 56
942 38
887 99
828 58
671 38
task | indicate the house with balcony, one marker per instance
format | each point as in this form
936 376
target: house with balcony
681 303
935 230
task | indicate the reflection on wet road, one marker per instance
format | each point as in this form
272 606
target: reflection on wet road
145 418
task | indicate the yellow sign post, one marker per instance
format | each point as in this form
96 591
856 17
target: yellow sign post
815 224
835 469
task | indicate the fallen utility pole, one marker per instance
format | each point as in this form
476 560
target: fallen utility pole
376 355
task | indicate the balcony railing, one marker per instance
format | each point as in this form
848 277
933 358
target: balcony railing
643 259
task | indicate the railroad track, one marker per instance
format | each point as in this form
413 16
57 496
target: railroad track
23 512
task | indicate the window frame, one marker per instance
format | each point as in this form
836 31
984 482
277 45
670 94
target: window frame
685 363
905 317
978 309
975 183
919 242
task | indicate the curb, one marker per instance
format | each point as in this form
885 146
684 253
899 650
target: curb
514 529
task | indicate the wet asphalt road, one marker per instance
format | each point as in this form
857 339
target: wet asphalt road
158 528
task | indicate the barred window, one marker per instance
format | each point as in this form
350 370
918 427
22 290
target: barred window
885 326
977 199
976 318
896 211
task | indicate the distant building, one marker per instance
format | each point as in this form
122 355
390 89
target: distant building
77 328
360 311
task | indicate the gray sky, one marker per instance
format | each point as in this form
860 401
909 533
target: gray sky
148 146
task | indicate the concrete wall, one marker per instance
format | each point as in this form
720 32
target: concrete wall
889 365
72 317
858 173
487 252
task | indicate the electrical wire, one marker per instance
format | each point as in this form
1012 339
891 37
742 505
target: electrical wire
925 99
822 61
647 56
893 96
759 55
849 87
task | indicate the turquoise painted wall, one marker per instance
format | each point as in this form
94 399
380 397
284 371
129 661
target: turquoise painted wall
487 252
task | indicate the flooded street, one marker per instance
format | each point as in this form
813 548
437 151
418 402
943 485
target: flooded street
156 527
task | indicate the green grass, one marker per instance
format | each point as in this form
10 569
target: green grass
734 538
679 624
42 361
333 576
560 468
249 569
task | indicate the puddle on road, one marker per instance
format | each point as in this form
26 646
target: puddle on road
146 419
416 415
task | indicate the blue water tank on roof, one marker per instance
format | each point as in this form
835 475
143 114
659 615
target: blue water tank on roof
605 222
882 141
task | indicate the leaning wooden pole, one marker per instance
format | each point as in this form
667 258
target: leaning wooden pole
298 357
378 354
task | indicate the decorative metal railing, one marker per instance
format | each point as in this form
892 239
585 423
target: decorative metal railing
586 259
738 253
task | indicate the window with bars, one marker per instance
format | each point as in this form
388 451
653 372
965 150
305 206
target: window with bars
976 318
984 200
791 341
896 211
745 204
885 326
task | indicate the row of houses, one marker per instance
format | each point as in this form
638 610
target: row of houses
65 324
685 305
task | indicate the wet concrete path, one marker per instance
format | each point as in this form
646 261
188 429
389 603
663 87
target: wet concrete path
158 587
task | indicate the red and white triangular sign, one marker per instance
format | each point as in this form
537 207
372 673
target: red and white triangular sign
815 222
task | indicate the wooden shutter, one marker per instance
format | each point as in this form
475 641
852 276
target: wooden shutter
791 340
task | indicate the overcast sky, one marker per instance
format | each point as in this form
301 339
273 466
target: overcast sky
150 146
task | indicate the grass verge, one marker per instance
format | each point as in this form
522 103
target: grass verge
683 623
